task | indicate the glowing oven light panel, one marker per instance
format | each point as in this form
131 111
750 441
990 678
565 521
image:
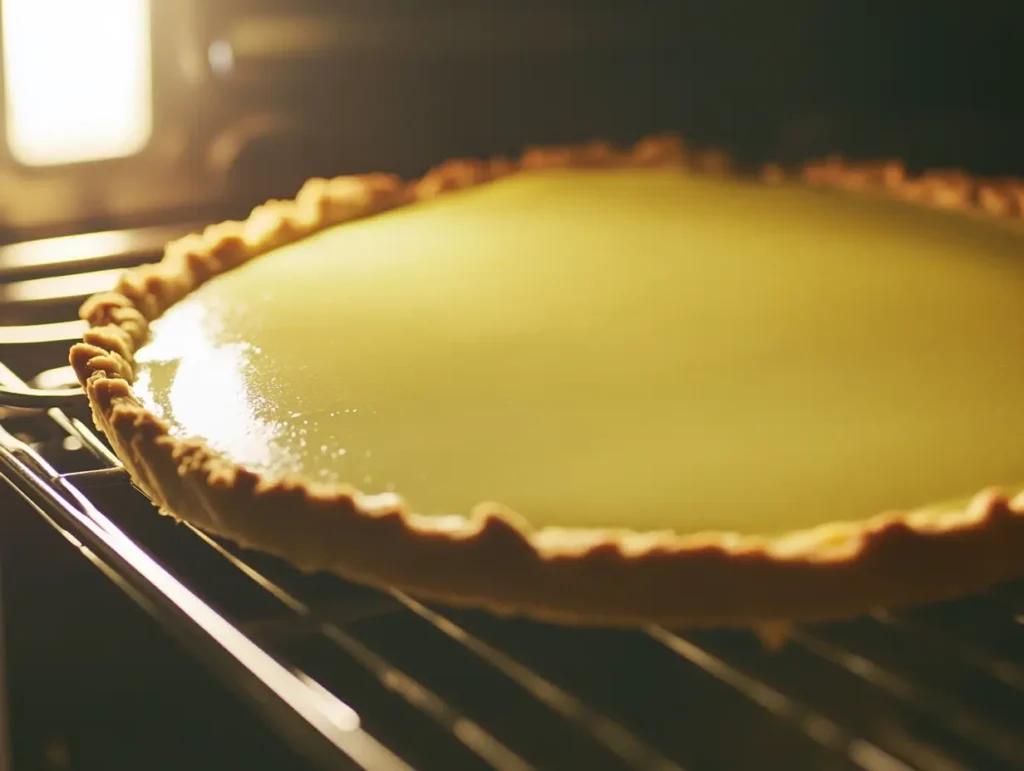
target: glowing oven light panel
77 79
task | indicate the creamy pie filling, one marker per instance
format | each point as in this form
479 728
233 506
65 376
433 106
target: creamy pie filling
617 348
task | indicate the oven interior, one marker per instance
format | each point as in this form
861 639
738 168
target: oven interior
133 642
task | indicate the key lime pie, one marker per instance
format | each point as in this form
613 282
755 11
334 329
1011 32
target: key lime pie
593 386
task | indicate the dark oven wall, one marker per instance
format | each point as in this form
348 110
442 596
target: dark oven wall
407 84
400 86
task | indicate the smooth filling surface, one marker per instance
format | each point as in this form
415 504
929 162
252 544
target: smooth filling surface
636 349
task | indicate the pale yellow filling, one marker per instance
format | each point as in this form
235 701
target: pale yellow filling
639 349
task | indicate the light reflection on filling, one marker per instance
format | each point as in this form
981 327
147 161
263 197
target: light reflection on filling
206 384
200 378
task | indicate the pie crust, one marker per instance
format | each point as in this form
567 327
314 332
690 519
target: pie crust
494 559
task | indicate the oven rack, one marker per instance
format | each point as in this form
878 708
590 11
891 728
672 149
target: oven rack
355 678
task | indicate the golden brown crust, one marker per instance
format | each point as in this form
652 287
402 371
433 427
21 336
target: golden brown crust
494 559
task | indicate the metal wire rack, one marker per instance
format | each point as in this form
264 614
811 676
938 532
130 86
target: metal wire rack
355 678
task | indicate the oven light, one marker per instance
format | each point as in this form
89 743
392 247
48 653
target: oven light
77 79
221 57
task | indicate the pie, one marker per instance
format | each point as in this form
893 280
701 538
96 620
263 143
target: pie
593 385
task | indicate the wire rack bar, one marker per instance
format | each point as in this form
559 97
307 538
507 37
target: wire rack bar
36 334
1009 747
816 727
1006 672
613 736
467 731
